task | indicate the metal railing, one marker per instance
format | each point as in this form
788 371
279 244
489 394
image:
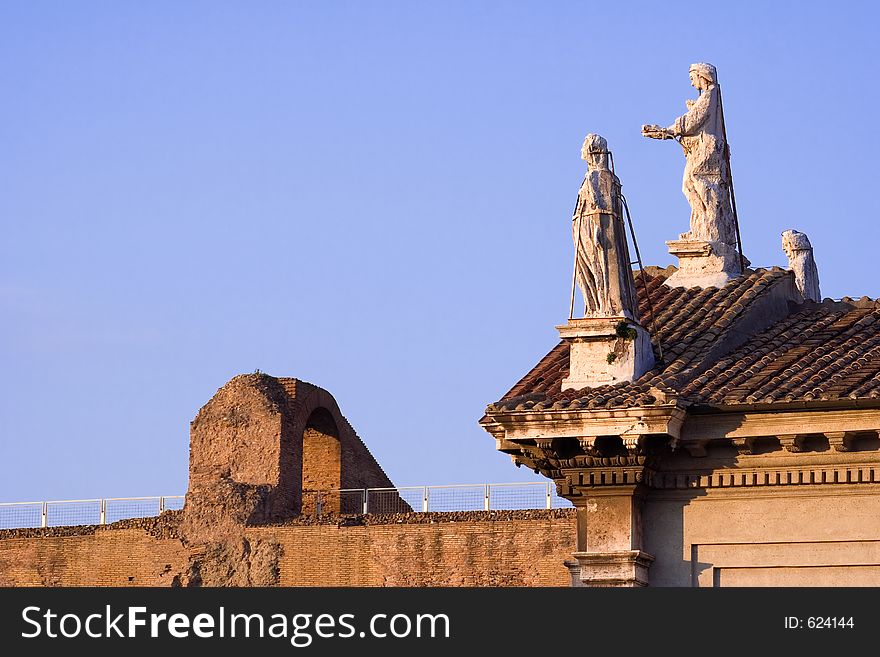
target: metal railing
60 513
407 499
426 499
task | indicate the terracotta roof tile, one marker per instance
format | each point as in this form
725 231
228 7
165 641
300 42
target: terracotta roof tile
820 351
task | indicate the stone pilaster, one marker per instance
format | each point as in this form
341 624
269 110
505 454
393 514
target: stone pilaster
610 551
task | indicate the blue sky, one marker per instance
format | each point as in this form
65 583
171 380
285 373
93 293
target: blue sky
373 197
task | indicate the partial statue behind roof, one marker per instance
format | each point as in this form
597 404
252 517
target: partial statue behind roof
602 263
801 261
706 183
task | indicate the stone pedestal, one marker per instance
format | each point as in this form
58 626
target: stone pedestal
623 569
704 264
605 350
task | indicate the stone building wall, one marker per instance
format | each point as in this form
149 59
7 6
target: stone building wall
797 535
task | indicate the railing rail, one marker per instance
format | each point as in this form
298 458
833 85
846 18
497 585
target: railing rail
404 499
60 513
427 499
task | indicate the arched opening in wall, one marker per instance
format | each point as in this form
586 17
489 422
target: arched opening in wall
321 464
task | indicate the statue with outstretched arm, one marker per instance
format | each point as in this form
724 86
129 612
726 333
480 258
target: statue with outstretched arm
706 183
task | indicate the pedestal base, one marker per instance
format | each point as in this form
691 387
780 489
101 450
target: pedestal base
604 350
704 264
626 568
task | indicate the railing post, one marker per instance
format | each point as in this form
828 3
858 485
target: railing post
425 500
161 504
486 501
44 515
549 497
366 495
103 515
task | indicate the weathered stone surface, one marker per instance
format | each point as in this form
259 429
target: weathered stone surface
622 568
707 252
213 529
254 448
234 562
800 260
605 350
608 345
704 264
602 260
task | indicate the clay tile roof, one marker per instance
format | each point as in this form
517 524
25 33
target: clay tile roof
821 351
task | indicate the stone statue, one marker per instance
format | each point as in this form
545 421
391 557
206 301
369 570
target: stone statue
602 263
706 183
800 260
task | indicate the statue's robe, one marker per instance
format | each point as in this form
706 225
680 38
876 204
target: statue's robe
706 183
801 261
602 270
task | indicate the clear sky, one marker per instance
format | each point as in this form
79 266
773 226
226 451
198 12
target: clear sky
371 196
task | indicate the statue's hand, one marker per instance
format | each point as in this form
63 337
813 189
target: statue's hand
656 132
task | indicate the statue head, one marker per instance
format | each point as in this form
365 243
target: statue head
793 241
595 151
702 75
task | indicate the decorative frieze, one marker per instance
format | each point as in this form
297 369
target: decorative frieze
575 482
794 476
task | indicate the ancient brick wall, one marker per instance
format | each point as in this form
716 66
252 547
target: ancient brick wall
142 552
495 548
321 463
256 447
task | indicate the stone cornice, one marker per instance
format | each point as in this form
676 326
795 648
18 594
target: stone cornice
670 447
707 428
664 419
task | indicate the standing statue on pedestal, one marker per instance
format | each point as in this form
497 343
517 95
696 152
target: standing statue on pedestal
707 252
602 262
607 344
706 183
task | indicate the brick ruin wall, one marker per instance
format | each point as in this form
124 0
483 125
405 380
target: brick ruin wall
259 451
494 548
